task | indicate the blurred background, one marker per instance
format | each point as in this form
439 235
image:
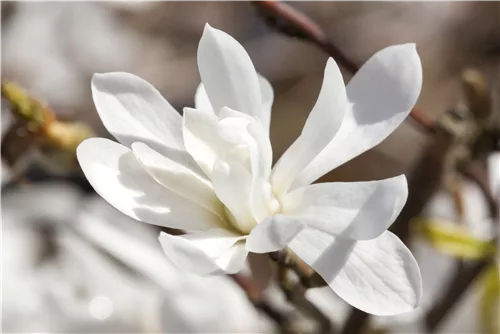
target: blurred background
71 263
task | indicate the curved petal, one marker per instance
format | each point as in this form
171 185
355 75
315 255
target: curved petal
267 93
320 128
202 102
133 110
239 129
232 184
354 210
178 178
217 251
120 179
378 276
381 96
381 277
273 234
228 74
311 246
202 139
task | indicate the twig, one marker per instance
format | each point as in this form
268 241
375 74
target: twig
423 181
307 276
36 126
296 295
295 291
293 23
254 294
476 172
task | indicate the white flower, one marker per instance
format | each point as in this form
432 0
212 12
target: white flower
209 172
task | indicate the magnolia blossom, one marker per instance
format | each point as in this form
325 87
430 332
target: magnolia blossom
210 171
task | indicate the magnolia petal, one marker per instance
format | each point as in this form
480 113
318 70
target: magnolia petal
133 110
273 234
120 179
239 129
311 246
178 178
378 276
211 252
234 259
201 138
380 95
267 93
202 102
381 277
262 200
320 128
214 242
232 183
354 210
228 74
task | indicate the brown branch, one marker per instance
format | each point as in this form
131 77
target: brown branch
254 294
307 276
423 181
16 142
293 23
476 171
36 126
296 292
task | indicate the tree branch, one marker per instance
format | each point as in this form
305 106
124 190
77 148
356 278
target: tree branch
293 23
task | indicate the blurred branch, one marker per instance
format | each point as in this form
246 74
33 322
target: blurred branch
307 276
475 171
295 292
36 126
254 294
293 23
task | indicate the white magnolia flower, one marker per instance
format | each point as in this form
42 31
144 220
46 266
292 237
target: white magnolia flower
209 172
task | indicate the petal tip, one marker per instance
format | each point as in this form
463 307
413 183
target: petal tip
97 78
100 76
208 30
84 145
